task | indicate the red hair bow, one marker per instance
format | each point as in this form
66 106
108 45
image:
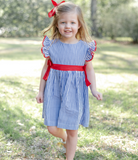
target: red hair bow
53 11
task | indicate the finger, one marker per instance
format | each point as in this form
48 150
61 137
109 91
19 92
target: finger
42 99
99 97
39 100
36 100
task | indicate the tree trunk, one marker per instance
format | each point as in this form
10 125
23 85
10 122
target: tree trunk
94 30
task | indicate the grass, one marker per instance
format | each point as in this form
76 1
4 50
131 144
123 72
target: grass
113 130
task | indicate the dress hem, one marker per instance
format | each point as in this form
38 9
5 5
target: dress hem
64 126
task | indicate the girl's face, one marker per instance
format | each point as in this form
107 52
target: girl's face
68 26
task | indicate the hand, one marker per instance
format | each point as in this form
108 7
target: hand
40 98
97 95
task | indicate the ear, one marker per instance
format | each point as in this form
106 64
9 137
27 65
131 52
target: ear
79 25
56 24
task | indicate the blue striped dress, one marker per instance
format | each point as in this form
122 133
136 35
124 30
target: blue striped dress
66 103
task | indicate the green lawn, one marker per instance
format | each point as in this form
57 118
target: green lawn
113 129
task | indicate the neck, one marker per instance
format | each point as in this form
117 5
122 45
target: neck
70 41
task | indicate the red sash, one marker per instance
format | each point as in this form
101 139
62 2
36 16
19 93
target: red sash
65 68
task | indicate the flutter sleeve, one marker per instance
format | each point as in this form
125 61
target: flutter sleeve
45 47
90 51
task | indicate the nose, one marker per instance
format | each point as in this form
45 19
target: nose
67 25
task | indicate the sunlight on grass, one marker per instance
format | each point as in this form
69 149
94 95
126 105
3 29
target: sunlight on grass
33 41
118 54
21 68
124 39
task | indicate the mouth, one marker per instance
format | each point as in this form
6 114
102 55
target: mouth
67 31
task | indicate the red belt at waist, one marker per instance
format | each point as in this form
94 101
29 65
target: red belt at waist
65 68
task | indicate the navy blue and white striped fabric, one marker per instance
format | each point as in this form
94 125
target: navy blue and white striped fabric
66 103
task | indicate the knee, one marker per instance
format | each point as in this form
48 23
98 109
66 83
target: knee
72 133
51 129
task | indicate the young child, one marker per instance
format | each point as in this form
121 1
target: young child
66 75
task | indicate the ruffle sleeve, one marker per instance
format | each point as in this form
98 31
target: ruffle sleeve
90 51
45 47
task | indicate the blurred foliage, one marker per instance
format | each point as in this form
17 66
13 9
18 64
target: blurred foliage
29 17
23 18
118 18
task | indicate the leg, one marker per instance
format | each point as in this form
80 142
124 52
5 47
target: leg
57 132
72 136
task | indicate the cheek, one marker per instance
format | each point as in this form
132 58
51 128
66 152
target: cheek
60 26
60 29
76 27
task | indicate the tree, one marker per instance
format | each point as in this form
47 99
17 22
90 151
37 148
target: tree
94 29
111 19
23 18
130 23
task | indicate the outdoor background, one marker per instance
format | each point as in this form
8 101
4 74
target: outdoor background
113 130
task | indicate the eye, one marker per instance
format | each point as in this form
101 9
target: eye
72 22
62 22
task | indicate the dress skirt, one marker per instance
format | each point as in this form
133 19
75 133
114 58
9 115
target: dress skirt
66 102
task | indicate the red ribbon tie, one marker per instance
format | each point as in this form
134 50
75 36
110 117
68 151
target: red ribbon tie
49 63
86 79
66 68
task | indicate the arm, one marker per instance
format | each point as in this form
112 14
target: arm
39 97
92 80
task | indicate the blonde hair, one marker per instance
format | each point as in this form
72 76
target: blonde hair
65 7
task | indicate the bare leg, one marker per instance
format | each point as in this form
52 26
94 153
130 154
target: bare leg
57 132
71 143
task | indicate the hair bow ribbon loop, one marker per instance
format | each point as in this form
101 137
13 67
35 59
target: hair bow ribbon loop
53 11
54 3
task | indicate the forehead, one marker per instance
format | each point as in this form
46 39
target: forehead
68 16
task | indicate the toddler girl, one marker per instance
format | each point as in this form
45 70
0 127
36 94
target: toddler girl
66 75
